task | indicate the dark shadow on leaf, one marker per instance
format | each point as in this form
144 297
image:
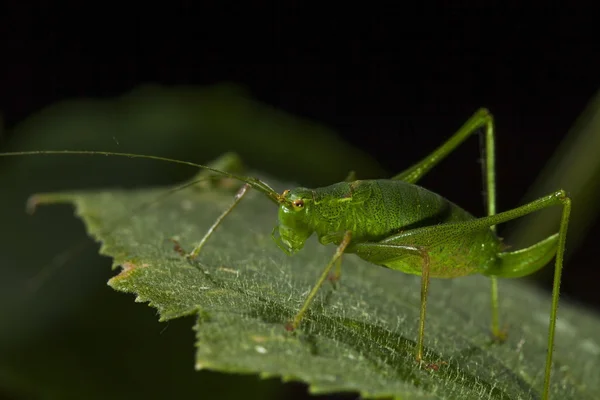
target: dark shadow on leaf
378 346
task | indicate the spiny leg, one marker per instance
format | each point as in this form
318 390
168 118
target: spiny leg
214 226
481 118
560 252
338 253
508 270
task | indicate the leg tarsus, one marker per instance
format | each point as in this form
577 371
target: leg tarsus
289 326
498 335
177 247
432 366
335 276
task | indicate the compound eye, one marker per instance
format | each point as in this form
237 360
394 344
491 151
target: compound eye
298 203
285 192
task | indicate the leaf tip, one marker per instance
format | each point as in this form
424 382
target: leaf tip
46 198
127 269
199 366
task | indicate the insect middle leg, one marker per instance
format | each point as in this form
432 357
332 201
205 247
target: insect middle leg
393 251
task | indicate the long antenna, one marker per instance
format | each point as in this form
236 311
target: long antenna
253 182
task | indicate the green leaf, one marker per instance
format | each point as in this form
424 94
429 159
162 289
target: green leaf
357 337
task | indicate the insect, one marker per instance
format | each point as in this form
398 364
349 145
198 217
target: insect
399 225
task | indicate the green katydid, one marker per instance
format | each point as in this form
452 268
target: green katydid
396 224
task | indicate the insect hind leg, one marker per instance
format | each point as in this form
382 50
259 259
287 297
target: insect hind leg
482 118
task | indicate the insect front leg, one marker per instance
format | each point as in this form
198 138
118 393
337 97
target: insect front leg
331 238
194 253
238 197
338 253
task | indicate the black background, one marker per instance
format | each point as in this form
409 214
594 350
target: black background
393 81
